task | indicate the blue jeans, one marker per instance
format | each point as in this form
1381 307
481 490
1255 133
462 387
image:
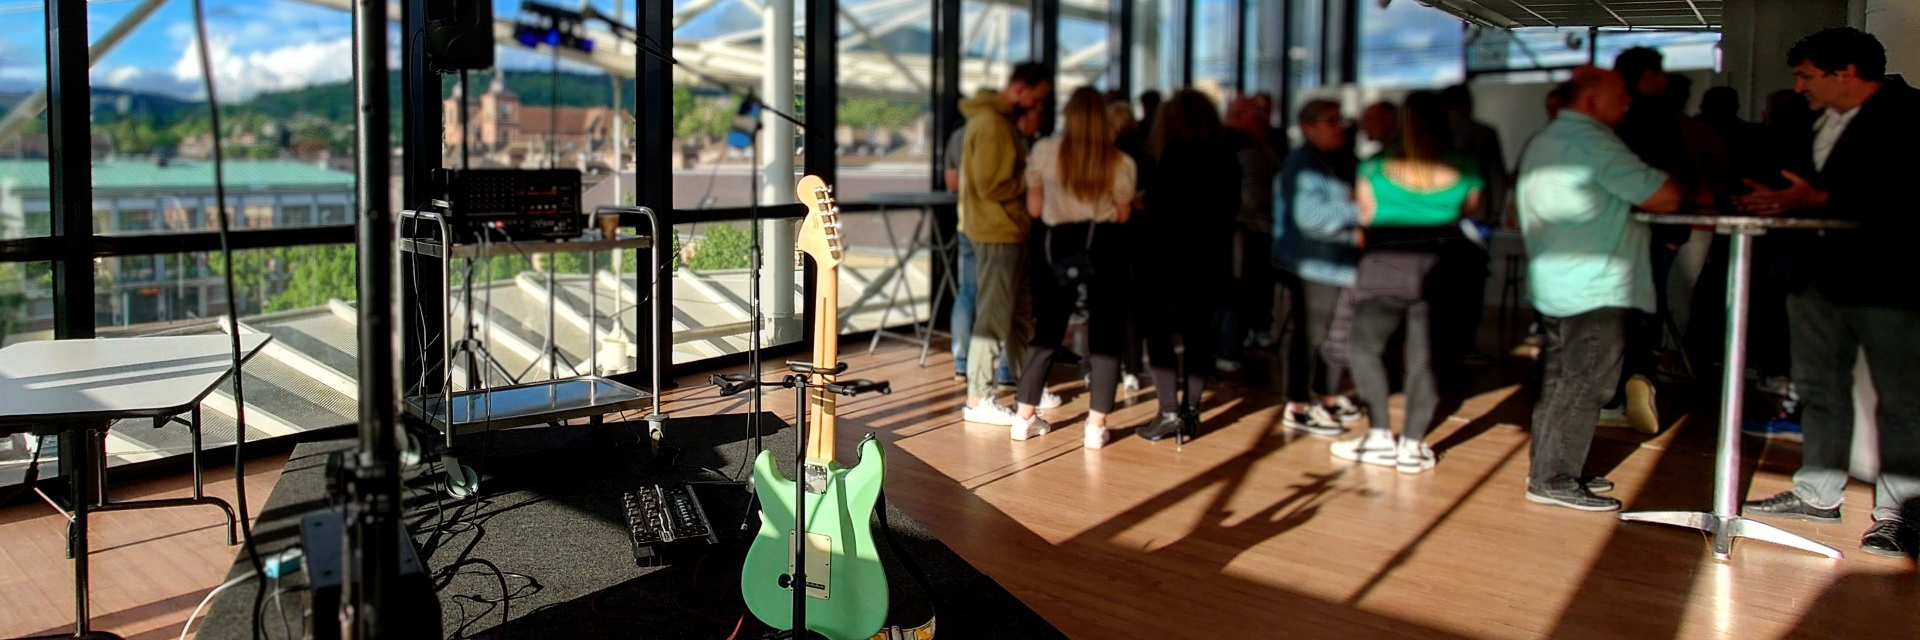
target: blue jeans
962 321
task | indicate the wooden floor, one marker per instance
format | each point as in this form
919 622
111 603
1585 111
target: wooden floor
1247 532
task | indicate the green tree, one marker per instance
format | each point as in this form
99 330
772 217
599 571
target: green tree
723 247
13 298
878 113
317 274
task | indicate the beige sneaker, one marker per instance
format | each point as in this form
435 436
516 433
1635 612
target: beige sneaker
1643 411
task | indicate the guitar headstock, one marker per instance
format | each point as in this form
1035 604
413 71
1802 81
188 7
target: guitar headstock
820 232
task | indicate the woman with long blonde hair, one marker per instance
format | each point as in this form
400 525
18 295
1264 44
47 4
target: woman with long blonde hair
1081 189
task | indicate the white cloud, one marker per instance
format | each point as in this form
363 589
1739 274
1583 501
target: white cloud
241 75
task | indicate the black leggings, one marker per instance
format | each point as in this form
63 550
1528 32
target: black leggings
1053 306
1374 322
1192 326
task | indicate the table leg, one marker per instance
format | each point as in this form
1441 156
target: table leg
893 292
941 250
76 443
1724 523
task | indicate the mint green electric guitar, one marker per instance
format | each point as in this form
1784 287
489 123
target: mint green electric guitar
846 587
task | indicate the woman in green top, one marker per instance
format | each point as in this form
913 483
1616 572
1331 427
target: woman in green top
1411 200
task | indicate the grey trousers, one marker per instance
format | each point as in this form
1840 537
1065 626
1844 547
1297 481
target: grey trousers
1002 312
1826 339
1581 357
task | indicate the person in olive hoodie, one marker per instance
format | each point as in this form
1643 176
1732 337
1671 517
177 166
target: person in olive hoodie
993 216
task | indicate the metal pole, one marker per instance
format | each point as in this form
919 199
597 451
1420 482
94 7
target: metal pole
1726 499
372 546
70 168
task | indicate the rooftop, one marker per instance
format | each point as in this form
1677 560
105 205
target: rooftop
149 174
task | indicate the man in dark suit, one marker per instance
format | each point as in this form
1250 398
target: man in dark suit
1847 290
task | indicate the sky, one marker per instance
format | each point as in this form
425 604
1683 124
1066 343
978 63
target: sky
267 45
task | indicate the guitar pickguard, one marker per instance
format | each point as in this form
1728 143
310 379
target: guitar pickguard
819 564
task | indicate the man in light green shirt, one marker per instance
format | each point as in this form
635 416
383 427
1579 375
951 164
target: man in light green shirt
1588 269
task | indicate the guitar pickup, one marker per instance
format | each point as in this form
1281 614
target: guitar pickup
807 368
857 387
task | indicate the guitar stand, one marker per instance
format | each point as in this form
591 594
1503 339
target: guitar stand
800 380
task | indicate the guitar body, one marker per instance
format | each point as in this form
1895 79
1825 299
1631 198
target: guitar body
851 603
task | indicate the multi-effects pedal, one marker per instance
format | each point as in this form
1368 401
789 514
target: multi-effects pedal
666 521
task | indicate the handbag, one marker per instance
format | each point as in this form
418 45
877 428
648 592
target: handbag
1072 271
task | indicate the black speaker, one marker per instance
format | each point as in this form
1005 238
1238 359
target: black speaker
459 35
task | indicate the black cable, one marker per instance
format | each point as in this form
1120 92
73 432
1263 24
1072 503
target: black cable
233 314
506 594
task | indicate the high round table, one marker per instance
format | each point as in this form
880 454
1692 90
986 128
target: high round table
1724 523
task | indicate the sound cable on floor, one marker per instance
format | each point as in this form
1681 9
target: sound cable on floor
233 317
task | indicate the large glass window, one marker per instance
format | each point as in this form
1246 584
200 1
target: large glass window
712 291
26 302
885 86
1085 32
708 172
1304 63
1407 44
993 37
877 288
1262 58
1215 30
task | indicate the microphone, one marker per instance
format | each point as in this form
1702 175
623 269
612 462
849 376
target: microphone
746 123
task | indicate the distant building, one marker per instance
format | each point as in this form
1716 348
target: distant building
155 196
502 131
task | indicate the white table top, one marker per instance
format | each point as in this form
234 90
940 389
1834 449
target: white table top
1744 222
65 380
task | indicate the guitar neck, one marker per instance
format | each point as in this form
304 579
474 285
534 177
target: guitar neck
826 352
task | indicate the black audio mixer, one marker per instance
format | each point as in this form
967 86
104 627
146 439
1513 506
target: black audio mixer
513 204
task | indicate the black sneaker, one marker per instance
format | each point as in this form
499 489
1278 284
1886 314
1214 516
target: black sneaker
1889 538
1575 497
1787 505
1163 425
1596 484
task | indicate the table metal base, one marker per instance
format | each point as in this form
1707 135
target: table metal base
1724 523
1723 529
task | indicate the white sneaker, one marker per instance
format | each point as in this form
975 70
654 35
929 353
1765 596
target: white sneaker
1262 339
1224 365
1614 418
1130 383
1023 428
1414 457
1348 412
1096 436
987 412
1050 400
1315 420
1370 449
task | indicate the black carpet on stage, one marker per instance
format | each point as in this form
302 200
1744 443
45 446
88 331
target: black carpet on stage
549 515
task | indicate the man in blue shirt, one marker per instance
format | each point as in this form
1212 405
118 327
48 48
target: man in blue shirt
1315 246
1588 268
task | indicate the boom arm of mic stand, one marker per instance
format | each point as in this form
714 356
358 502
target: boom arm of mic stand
640 42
